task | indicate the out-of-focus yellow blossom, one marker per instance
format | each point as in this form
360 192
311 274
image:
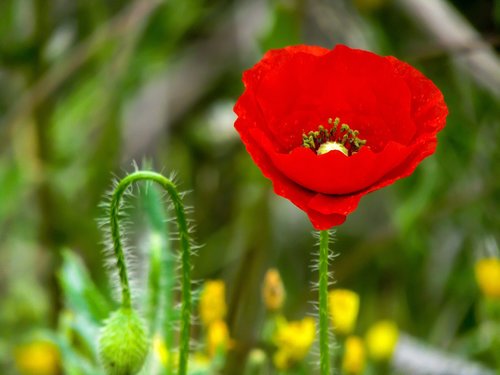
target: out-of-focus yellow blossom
488 276
354 356
38 358
217 337
213 302
199 361
344 307
381 340
293 341
273 291
160 349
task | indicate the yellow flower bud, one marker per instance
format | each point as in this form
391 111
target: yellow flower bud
37 358
217 337
273 291
381 340
487 272
213 302
344 307
293 341
354 356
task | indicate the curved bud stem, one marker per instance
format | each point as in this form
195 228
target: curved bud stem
185 245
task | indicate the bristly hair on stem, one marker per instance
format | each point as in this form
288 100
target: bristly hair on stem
115 219
325 279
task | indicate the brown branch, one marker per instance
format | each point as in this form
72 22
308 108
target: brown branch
456 35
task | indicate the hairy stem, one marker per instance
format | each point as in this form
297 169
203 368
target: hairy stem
323 303
185 245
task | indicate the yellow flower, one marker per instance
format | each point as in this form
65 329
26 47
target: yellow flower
167 358
354 356
199 361
344 307
293 341
488 276
273 291
38 358
217 337
160 349
381 340
212 302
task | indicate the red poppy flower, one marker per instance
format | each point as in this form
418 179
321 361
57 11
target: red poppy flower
327 127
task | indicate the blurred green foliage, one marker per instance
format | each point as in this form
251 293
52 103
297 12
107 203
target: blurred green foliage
90 86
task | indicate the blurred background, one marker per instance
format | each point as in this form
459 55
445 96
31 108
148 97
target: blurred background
89 86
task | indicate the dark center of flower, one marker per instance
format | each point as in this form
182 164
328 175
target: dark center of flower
340 138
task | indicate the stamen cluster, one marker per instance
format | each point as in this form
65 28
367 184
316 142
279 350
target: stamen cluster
343 135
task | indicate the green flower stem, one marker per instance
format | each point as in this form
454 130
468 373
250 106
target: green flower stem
161 275
185 245
323 303
154 279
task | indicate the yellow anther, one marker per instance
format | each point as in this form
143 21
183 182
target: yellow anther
316 139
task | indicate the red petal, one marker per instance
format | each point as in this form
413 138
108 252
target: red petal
322 216
333 172
304 90
428 108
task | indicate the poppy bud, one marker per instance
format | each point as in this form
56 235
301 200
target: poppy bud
256 362
123 344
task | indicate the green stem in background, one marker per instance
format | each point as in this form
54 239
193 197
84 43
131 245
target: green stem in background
154 279
324 346
185 245
161 282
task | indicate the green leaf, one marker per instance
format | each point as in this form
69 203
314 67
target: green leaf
80 293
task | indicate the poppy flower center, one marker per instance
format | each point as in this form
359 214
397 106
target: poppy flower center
336 138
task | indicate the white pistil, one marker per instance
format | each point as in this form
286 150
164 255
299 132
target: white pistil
332 146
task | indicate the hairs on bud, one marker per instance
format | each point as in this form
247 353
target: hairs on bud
123 343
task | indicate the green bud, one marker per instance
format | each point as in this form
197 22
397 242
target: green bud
123 344
256 362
